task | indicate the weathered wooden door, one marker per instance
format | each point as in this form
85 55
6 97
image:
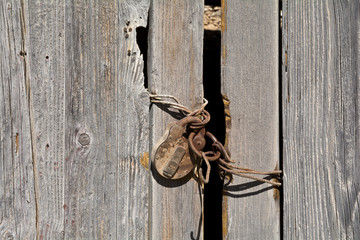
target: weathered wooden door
77 126
75 122
74 115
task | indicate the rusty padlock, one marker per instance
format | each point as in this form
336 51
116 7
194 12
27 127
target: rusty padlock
171 155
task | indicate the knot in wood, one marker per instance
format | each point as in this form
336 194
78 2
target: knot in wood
84 139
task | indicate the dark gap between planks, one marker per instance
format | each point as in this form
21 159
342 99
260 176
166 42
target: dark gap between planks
142 41
212 92
281 137
213 2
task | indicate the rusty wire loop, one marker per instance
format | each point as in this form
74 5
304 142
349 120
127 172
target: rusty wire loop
173 102
218 153
205 180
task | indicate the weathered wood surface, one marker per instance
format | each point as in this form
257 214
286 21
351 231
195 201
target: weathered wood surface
321 119
17 196
175 67
74 117
250 83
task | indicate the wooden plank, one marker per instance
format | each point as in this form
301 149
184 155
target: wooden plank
175 67
75 120
321 119
46 68
250 87
106 187
17 196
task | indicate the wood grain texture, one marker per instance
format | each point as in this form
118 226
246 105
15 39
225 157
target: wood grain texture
250 85
175 67
321 119
45 30
74 120
18 212
106 186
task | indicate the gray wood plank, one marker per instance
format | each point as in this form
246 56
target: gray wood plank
46 68
74 120
175 67
106 187
18 212
321 119
250 86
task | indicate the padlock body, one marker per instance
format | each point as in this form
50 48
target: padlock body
171 156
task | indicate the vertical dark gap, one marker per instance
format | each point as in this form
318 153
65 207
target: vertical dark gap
142 41
281 137
212 92
213 2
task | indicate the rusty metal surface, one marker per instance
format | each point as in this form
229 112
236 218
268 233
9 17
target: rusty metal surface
172 165
181 149
172 156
